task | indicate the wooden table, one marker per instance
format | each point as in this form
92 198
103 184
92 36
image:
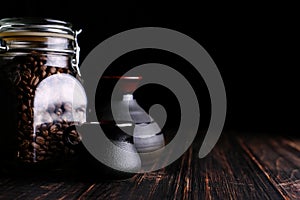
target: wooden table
240 167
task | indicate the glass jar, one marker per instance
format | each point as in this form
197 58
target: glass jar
41 93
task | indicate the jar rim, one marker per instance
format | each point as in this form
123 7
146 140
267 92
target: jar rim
17 26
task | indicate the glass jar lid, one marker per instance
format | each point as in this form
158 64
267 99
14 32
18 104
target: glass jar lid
35 27
39 34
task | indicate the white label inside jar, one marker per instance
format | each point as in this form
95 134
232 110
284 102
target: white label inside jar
59 97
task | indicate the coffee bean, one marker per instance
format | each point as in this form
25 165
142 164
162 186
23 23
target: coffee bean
43 74
35 145
53 128
44 127
59 133
67 107
20 133
30 112
39 158
40 140
43 59
24 83
18 80
26 74
21 89
24 117
59 125
36 81
27 127
35 64
60 70
45 133
65 125
35 70
43 67
42 152
51 108
32 79
25 144
80 109
29 102
29 59
52 70
58 111
24 107
58 105
19 124
29 89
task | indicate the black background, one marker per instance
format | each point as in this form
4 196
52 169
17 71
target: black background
255 46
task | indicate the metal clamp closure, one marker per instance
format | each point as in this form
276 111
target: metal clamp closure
75 60
3 46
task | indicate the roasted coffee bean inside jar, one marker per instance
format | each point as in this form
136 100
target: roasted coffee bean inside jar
38 74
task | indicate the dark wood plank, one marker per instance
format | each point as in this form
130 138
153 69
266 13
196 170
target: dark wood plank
279 159
243 168
161 184
228 173
41 188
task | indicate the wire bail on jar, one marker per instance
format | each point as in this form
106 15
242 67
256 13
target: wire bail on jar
3 46
75 60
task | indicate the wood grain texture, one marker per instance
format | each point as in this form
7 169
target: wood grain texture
279 159
239 167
